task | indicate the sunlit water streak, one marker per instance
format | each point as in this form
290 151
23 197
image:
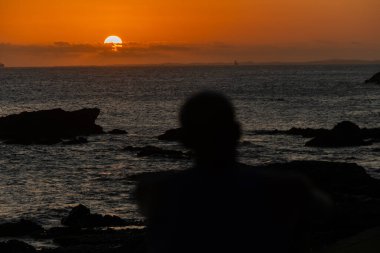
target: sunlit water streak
41 182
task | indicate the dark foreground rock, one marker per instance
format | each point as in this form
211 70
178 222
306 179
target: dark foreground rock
84 232
365 242
356 198
15 246
81 217
158 152
355 194
374 79
48 126
86 241
20 228
101 241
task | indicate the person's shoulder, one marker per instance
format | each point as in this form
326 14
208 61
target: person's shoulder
286 184
271 174
275 180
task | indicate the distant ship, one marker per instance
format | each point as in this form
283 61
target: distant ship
236 63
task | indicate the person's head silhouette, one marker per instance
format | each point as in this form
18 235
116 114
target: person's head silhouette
210 129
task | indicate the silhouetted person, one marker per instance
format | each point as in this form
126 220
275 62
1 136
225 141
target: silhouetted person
220 205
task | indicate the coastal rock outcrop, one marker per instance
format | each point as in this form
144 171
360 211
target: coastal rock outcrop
344 134
20 228
374 79
81 217
171 135
48 126
101 241
16 246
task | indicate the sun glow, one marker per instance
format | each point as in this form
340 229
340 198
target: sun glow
114 41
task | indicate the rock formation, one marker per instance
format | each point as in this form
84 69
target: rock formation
344 134
48 126
81 217
171 135
374 79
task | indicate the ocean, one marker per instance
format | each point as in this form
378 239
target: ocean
42 182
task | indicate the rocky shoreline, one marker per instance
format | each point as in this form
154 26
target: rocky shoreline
356 198
356 195
82 231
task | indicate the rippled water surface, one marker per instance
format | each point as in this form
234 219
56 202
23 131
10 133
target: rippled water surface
41 182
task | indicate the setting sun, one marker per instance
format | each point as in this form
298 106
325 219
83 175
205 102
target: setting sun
115 41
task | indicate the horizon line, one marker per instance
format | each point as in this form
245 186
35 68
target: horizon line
232 63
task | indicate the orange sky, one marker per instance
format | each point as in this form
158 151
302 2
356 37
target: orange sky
157 31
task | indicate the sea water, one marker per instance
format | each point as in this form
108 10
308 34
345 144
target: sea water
42 182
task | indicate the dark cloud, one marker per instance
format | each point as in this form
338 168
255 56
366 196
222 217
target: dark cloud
65 53
55 48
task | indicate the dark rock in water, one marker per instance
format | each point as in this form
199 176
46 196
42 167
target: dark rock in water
74 141
81 217
20 228
344 134
304 132
171 135
117 131
15 246
158 152
374 79
78 212
366 133
48 126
